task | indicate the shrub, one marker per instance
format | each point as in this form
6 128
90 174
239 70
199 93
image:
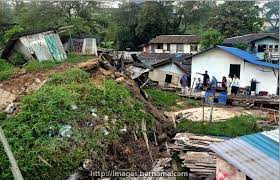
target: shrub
18 59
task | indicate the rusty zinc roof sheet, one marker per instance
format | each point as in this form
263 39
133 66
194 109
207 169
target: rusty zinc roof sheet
175 39
256 155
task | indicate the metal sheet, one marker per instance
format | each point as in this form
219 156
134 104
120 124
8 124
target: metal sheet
274 134
255 155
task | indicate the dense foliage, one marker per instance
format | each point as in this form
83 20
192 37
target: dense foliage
133 24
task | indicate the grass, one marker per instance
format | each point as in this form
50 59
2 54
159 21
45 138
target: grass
40 65
49 64
74 58
49 109
169 100
236 126
6 70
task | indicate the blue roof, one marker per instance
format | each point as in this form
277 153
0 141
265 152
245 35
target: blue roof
264 144
256 155
247 56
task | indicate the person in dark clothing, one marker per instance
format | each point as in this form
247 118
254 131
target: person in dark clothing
224 83
205 79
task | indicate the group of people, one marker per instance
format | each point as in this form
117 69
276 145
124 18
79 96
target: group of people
230 84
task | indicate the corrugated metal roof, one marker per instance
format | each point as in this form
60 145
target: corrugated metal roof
175 39
248 38
247 56
255 155
274 134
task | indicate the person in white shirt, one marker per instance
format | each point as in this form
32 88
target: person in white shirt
229 81
235 85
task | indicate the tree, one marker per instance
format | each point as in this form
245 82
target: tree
237 18
126 23
210 38
271 14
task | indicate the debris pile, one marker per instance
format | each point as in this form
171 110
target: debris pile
195 153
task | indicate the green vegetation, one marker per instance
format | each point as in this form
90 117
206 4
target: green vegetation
34 131
163 99
169 100
44 65
40 65
210 38
236 126
75 58
6 70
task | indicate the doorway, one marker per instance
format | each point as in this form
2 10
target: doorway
234 69
168 78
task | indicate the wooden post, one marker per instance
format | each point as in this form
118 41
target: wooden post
14 168
211 111
192 88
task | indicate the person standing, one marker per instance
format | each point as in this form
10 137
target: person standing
184 84
235 85
213 83
229 81
205 79
224 83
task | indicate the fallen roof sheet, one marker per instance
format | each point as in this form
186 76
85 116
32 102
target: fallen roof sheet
256 155
136 71
274 134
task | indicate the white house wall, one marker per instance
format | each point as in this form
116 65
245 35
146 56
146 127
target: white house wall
159 74
217 62
89 46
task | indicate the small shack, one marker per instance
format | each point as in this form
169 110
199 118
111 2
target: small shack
253 156
39 45
165 68
223 61
84 46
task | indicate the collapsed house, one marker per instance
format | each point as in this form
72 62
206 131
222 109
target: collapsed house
39 45
164 68
223 61
84 46
255 156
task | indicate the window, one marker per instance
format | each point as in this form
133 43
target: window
168 78
180 48
270 48
261 48
159 46
193 47
168 47
276 48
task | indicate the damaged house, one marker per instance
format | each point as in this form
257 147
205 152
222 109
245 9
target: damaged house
40 45
164 68
84 46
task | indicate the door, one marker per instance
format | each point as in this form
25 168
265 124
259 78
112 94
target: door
234 69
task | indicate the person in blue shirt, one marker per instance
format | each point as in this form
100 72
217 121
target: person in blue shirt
213 83
184 84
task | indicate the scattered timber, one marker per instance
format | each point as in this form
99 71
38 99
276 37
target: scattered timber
195 153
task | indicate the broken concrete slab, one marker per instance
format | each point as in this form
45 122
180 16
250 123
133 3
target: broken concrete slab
6 98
